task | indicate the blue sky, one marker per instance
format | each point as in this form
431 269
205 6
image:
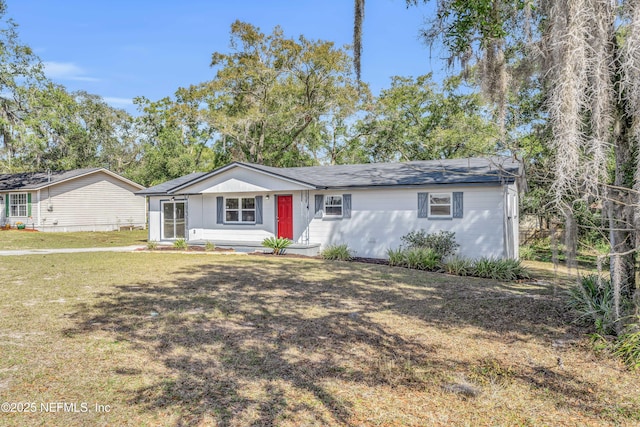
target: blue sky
120 49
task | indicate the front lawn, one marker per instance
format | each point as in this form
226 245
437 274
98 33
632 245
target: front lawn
200 339
20 239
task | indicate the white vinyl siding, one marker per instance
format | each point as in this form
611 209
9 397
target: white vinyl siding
95 202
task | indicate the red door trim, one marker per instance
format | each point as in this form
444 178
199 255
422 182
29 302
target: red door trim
284 216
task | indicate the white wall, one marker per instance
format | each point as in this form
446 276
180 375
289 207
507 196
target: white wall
379 218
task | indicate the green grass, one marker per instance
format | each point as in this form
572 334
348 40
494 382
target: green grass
16 239
167 339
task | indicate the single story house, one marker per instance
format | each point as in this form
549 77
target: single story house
93 199
369 207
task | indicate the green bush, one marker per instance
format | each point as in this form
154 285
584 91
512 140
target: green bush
627 347
423 259
337 252
416 258
209 246
442 243
396 257
180 244
592 301
459 266
278 244
527 253
152 245
499 269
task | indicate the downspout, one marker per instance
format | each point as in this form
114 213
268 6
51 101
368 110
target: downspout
186 220
505 220
148 218
39 207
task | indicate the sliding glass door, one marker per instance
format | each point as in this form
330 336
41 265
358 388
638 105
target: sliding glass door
173 220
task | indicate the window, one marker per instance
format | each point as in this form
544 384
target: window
333 205
240 210
440 205
18 204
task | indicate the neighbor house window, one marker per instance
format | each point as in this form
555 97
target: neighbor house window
333 205
240 209
18 204
440 205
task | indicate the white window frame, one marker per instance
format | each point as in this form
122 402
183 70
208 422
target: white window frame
240 210
440 195
327 205
12 204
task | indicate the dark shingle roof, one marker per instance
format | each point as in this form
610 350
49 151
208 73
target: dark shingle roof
450 171
166 187
35 180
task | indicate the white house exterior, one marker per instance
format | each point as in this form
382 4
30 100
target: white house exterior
79 200
368 207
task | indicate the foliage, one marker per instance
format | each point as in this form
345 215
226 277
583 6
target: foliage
337 252
272 95
416 120
442 243
180 244
499 269
278 244
592 301
209 246
176 138
396 257
459 266
152 245
627 347
416 258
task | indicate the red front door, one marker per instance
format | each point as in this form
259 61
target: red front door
285 217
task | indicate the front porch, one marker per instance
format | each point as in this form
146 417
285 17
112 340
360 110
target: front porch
311 249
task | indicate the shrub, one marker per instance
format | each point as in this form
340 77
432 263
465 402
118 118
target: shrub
499 269
423 259
152 245
209 246
459 266
592 300
527 253
278 244
396 257
180 244
337 252
627 347
443 242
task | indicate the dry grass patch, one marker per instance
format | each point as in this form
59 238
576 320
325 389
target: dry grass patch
17 239
207 340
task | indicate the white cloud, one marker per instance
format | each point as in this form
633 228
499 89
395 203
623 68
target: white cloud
118 102
66 71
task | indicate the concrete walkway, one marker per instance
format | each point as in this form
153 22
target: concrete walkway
70 250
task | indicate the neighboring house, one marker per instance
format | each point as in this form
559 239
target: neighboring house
368 207
79 200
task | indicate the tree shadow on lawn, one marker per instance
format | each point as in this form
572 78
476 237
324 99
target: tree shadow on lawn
262 342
